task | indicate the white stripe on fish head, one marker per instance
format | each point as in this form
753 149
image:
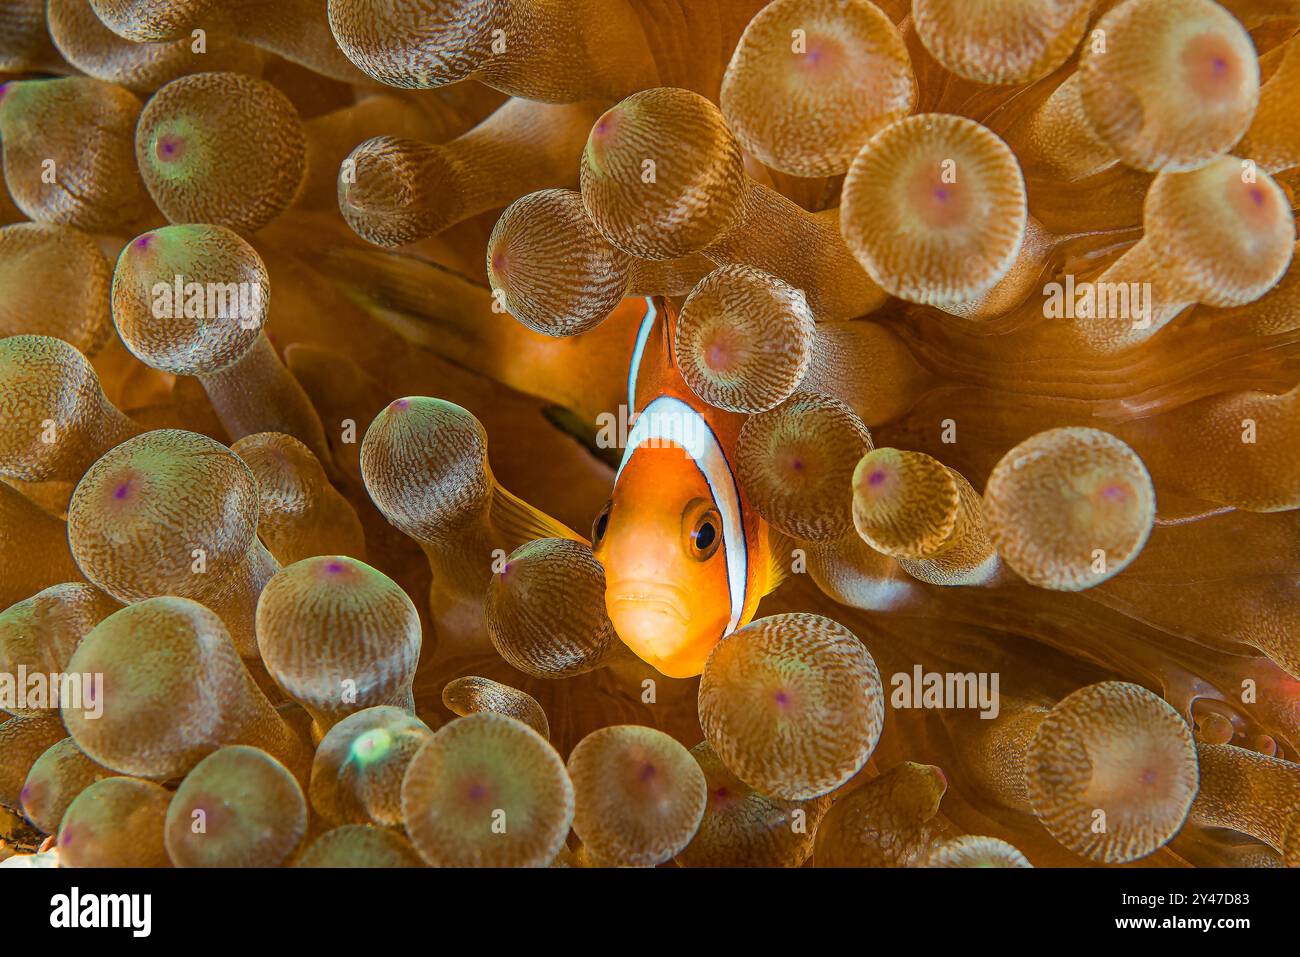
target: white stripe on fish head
670 420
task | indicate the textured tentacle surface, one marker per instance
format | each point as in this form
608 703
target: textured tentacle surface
325 323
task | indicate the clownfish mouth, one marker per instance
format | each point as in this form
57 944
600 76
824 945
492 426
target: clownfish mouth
654 620
645 598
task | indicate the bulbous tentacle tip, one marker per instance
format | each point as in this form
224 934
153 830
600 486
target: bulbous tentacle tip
408 43
300 514
253 810
1001 41
335 609
469 694
662 176
359 845
904 503
424 461
394 191
37 257
934 207
150 21
891 820
43 631
1069 508
476 772
96 49
976 851
1112 772
58 420
117 822
1169 86
744 828
1244 253
744 339
792 704
25 738
915 509
551 268
56 778
190 299
136 515
357 771
168 655
68 152
795 463
545 610
198 172
843 70
1215 728
640 796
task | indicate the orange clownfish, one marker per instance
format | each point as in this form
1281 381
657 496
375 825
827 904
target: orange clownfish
686 557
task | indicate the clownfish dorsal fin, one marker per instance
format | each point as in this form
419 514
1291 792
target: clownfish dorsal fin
668 329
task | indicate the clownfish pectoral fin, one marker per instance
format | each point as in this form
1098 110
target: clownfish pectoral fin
780 558
520 521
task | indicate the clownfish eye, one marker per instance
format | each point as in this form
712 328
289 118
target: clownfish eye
600 525
705 534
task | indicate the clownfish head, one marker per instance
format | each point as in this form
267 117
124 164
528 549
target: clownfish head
672 541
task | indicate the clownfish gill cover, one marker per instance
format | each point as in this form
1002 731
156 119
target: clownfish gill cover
640 433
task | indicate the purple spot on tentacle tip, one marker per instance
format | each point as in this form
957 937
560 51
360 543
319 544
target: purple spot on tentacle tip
400 403
876 477
144 242
66 836
334 567
941 194
1220 64
1113 493
648 771
122 491
169 148
782 699
477 792
25 795
1257 195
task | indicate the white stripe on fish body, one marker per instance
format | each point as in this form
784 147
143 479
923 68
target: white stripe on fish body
638 350
669 421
